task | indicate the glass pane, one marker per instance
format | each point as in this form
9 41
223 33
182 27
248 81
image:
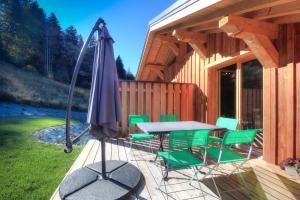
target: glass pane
227 91
252 94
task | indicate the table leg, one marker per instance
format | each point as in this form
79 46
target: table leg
161 148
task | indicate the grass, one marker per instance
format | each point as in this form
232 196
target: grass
30 169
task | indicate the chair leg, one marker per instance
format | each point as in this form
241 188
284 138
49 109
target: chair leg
196 170
196 174
212 177
237 168
130 150
151 150
163 181
241 177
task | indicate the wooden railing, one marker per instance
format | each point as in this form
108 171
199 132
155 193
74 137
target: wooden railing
153 99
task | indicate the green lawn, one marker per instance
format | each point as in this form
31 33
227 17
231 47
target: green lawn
30 169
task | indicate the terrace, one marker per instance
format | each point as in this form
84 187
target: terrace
202 60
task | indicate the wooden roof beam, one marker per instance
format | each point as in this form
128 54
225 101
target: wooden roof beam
156 66
159 73
195 39
275 11
256 34
236 25
181 61
157 69
170 42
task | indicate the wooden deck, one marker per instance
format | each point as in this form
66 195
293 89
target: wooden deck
263 181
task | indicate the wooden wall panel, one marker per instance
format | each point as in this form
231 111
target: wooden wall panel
297 82
153 99
156 98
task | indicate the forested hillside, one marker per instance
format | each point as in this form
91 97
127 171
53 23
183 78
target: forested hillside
30 39
27 87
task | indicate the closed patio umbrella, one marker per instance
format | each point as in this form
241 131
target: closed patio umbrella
104 110
113 179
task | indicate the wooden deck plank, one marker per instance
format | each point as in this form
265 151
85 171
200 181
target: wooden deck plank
150 181
144 194
92 154
263 181
154 170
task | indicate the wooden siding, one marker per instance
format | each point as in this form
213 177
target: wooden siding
281 88
154 98
194 70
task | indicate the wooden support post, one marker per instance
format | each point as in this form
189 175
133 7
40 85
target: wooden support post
239 93
256 34
195 39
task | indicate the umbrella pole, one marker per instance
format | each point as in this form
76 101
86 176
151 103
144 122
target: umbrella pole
103 159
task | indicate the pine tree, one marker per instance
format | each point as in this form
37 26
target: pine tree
54 45
120 68
70 52
12 36
129 75
34 21
85 74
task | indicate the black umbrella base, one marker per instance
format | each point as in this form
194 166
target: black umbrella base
123 180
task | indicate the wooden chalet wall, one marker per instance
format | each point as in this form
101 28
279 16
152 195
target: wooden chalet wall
281 87
281 98
155 98
198 71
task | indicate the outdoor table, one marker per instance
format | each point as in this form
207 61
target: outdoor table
163 128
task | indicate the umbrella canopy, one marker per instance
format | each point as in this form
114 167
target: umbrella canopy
104 110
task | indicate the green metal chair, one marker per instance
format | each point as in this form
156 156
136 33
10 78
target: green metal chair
224 154
179 154
168 118
138 137
228 123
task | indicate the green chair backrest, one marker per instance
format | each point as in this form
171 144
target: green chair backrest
239 137
134 119
228 123
168 118
188 139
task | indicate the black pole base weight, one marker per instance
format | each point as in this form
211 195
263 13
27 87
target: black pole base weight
122 180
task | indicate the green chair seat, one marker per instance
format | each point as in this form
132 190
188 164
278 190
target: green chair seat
214 139
135 137
227 155
180 159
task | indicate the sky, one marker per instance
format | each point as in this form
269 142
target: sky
127 21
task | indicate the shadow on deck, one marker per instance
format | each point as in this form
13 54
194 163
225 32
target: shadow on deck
257 180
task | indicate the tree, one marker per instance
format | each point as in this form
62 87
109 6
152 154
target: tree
120 68
34 22
54 45
85 74
12 37
71 49
129 75
28 37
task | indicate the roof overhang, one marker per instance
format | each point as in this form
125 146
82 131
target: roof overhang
178 10
203 16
